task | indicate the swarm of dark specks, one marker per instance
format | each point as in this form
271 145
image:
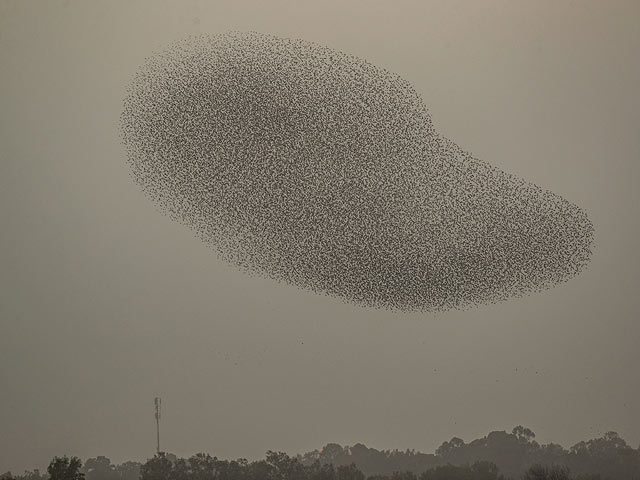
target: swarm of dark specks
316 168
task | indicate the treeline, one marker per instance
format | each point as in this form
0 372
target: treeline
276 466
498 456
514 453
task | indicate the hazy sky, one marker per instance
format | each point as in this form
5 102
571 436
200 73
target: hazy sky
105 303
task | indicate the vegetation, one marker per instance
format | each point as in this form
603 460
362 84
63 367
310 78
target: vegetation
514 454
498 456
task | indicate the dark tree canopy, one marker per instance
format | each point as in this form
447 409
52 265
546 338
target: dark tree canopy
497 456
65 468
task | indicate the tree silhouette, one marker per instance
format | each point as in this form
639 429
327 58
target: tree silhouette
539 472
524 434
159 467
100 468
349 472
65 468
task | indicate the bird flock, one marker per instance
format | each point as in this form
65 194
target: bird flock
316 168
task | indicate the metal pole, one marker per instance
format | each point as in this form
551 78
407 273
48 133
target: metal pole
157 402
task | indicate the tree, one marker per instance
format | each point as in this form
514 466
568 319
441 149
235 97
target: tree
65 468
349 472
32 475
202 467
100 468
447 472
484 470
523 433
284 467
403 476
539 472
317 471
157 468
128 471
450 446
334 454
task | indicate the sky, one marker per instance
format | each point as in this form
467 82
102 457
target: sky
105 303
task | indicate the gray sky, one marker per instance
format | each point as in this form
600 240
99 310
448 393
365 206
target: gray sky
105 303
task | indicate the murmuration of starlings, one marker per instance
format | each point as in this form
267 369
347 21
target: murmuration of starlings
316 168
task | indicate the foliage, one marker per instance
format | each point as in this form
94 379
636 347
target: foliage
540 472
65 468
499 455
101 468
478 471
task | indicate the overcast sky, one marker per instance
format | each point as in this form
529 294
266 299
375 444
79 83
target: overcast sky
105 303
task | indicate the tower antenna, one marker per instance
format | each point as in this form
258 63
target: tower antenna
158 402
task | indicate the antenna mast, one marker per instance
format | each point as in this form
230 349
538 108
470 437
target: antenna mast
158 402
